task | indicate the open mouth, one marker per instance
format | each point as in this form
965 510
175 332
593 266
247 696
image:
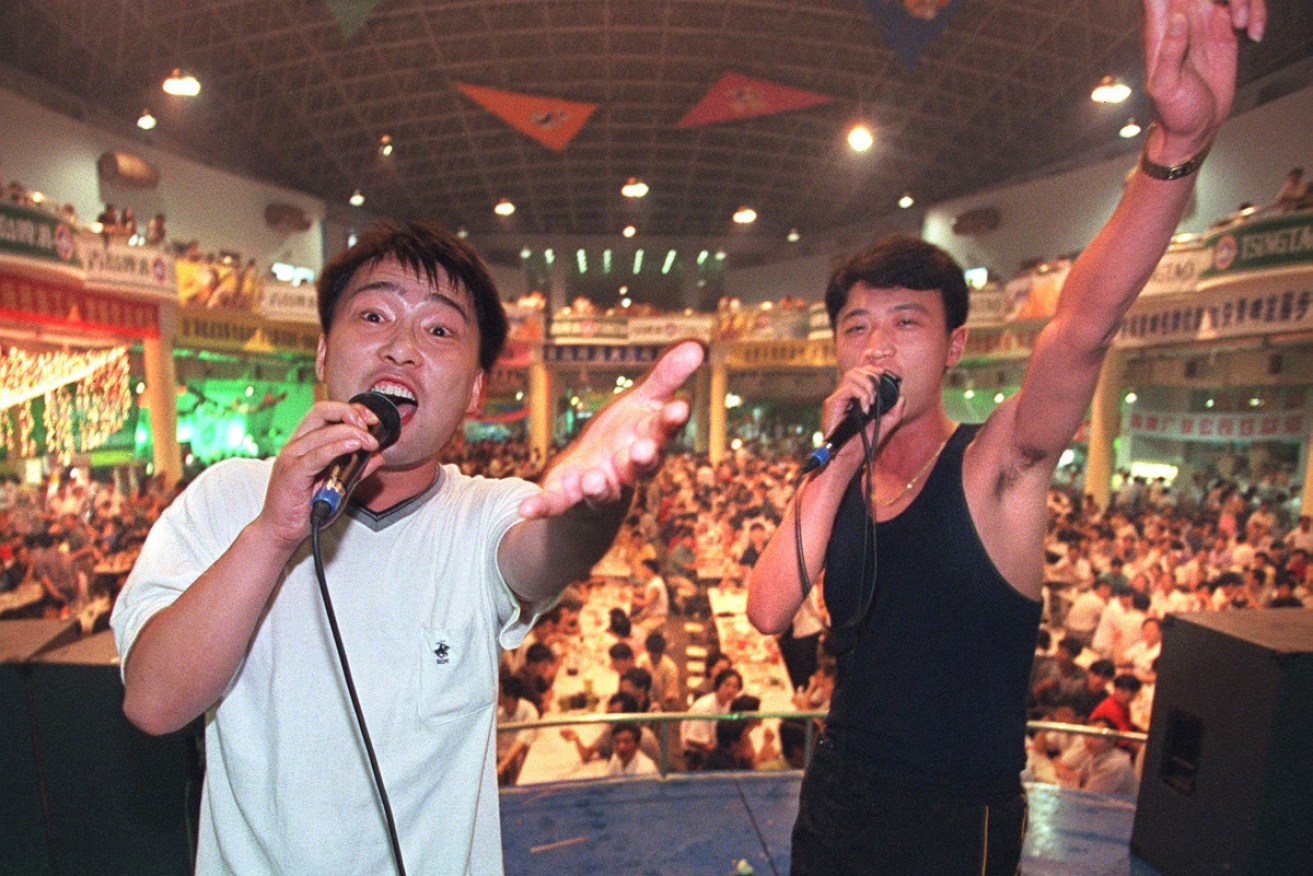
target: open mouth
399 395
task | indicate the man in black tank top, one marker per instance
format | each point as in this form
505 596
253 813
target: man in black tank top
933 553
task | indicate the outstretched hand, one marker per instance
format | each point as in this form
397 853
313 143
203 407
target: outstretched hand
1190 61
623 443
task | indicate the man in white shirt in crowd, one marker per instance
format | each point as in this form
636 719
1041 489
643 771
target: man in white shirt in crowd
626 758
1301 537
1083 616
1140 657
699 736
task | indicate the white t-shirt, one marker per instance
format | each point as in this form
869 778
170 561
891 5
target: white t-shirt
423 609
703 731
639 765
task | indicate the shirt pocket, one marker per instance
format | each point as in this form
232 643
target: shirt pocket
457 677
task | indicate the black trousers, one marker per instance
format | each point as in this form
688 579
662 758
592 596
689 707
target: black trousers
851 821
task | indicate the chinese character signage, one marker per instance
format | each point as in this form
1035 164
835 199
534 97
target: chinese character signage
1255 426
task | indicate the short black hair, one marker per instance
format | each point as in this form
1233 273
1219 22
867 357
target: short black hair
638 677
655 643
424 247
635 732
729 732
626 701
1103 668
620 651
723 674
901 260
539 653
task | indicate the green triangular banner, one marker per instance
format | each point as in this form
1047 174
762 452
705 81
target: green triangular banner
350 14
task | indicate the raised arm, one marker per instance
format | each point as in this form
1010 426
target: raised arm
186 654
1190 61
586 492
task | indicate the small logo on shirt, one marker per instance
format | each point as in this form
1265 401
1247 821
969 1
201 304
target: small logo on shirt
442 652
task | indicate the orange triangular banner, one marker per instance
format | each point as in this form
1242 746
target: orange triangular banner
551 121
740 97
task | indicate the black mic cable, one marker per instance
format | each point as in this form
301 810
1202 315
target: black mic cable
886 396
324 507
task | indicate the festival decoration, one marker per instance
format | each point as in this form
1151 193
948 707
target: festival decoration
86 398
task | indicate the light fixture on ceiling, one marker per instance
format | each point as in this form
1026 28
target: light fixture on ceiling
1110 90
634 188
906 200
146 121
629 231
385 145
357 198
720 255
525 253
1130 129
181 84
745 215
504 207
793 236
860 138
463 233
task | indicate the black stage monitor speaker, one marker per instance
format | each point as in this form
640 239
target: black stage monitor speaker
1228 771
22 827
117 800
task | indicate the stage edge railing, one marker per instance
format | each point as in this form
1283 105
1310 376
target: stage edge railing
665 719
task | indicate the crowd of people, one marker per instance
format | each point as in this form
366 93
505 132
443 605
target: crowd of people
67 544
1111 577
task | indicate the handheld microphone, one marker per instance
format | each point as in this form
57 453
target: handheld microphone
854 421
345 470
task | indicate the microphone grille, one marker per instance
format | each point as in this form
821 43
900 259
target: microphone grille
389 418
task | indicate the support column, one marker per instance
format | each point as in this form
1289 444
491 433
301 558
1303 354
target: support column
1105 423
717 440
700 408
540 404
162 399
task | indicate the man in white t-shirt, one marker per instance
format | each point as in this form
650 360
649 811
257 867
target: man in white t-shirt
432 571
626 758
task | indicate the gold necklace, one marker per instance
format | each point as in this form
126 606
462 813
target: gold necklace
916 478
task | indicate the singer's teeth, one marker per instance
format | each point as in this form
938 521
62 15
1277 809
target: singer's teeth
396 393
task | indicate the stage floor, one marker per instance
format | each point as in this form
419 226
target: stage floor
708 824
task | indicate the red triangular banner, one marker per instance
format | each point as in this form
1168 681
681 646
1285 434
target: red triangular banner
740 97
551 121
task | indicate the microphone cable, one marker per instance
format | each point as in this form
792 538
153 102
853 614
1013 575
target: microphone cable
851 627
355 700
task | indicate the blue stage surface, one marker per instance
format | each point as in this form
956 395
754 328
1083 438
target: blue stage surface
708 824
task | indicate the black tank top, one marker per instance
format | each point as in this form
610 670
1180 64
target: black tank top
935 688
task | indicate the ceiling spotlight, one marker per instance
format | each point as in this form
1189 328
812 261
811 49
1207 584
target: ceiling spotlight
634 188
629 231
1110 90
745 216
504 208
525 253
720 255
462 232
356 198
146 121
860 138
906 200
793 236
181 84
385 145
1130 129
